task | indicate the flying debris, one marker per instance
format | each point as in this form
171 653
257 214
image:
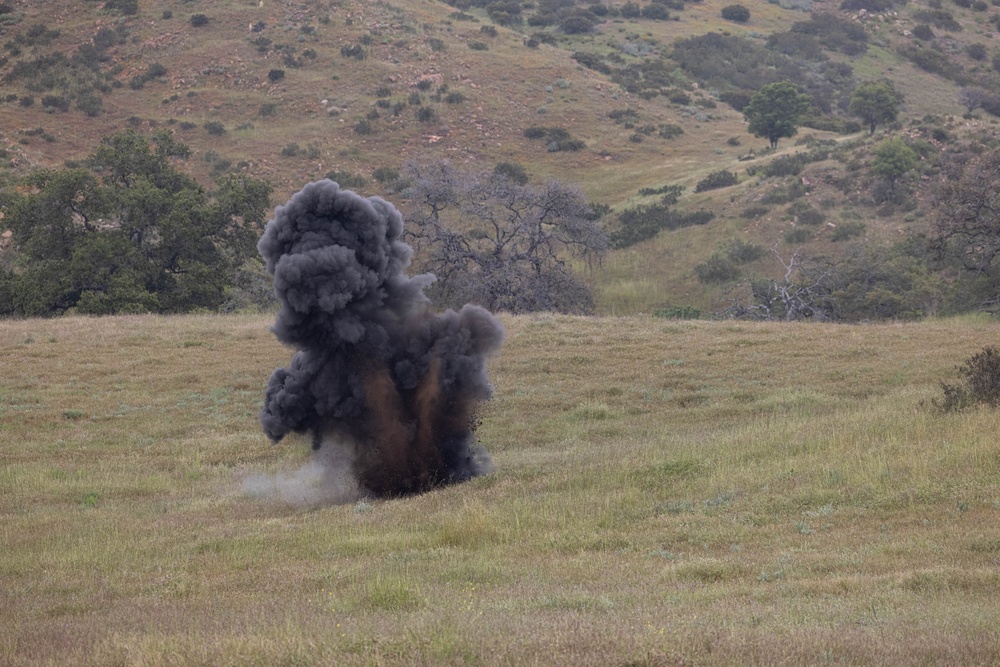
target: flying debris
378 376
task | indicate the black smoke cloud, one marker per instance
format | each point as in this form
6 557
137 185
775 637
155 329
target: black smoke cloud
377 373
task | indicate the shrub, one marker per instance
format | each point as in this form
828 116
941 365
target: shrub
807 215
847 230
669 131
557 138
426 115
797 235
786 165
356 51
123 7
267 109
976 51
716 269
198 20
715 180
981 376
455 98
645 222
736 13
753 212
488 30
655 12
276 75
478 46
513 171
215 128
741 252
679 97
576 25
55 102
364 127
386 175
347 179
923 31
737 99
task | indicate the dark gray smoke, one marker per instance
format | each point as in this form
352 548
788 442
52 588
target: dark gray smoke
375 368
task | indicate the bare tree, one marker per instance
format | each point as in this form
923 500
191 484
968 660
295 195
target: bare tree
506 245
968 211
802 293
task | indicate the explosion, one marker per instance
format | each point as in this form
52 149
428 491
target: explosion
387 388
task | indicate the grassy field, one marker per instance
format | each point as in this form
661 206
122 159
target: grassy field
665 493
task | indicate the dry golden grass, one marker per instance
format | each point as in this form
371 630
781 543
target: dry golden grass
665 493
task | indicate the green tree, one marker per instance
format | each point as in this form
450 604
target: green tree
874 103
893 158
131 233
774 111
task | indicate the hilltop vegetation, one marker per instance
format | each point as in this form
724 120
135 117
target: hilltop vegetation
639 104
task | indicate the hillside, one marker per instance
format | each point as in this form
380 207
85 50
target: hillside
665 493
293 91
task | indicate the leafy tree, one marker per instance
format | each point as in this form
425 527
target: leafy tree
506 245
130 233
874 103
893 158
774 111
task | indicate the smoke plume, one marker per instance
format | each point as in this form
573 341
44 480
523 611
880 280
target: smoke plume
387 388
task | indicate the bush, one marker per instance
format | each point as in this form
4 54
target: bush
741 252
215 128
356 51
55 102
645 222
276 75
981 375
478 46
716 180
797 235
736 13
754 212
655 12
847 230
716 269
669 131
123 7
198 20
976 51
347 179
923 31
386 175
512 170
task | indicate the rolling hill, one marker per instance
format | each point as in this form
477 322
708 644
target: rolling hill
294 91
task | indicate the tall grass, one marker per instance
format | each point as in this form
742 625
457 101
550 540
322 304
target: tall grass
700 492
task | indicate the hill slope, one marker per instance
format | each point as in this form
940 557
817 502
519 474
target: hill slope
292 91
